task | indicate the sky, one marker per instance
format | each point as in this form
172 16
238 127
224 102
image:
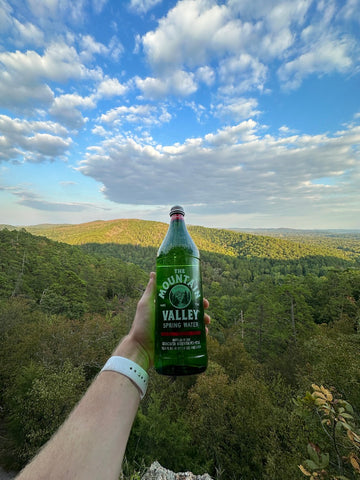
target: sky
245 112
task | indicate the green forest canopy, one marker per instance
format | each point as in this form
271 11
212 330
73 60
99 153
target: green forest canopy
285 315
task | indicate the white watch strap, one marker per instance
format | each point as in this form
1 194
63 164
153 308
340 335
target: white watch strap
131 370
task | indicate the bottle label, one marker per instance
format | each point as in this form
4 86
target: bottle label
179 308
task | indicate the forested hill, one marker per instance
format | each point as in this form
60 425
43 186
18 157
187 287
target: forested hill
285 323
63 278
236 244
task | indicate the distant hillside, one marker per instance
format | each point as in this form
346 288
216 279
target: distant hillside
135 232
344 240
227 242
297 231
63 278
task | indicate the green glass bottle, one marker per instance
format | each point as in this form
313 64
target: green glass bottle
180 336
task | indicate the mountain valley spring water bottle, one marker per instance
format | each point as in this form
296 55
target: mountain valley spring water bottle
180 336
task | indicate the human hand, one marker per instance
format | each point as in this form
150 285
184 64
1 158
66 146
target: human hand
207 318
138 345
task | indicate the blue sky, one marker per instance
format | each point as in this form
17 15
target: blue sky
245 112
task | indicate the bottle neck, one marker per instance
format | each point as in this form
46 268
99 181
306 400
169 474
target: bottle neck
177 217
178 237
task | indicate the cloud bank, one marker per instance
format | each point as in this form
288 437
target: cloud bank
238 168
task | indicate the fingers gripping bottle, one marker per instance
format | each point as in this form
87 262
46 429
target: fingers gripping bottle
180 337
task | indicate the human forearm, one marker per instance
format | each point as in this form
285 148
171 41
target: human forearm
92 442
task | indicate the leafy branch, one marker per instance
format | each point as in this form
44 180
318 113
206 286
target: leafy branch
338 423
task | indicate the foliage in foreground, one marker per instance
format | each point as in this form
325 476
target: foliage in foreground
341 436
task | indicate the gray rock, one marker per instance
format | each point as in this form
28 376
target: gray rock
6 475
157 472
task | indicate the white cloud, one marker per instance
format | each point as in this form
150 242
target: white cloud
326 57
100 130
275 43
27 34
152 87
5 17
29 71
32 141
237 108
234 169
350 10
240 39
285 130
177 82
137 42
43 145
98 5
116 48
185 35
65 109
196 31
145 115
60 62
46 8
71 100
25 95
281 22
277 13
91 47
143 6
56 10
132 114
243 132
28 198
242 73
283 14
199 110
181 83
111 87
206 75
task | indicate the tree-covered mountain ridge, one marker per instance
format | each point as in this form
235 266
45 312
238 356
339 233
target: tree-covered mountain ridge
145 233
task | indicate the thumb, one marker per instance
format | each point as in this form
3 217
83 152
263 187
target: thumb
150 288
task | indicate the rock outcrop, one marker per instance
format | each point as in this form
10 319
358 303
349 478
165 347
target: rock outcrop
157 472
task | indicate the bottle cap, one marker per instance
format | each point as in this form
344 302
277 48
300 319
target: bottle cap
177 209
